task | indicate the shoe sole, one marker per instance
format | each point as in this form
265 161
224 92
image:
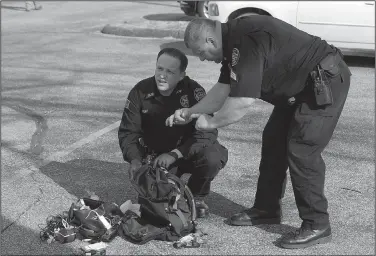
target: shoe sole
323 240
254 222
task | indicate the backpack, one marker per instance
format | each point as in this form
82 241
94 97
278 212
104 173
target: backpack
167 207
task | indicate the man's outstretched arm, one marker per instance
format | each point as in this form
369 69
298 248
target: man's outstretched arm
211 103
231 112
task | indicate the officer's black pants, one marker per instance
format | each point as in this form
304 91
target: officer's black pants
294 137
203 167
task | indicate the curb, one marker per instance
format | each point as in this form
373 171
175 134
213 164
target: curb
142 32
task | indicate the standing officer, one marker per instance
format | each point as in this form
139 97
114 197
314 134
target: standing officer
183 149
307 82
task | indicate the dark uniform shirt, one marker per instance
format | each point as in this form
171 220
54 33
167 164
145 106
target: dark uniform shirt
267 58
145 113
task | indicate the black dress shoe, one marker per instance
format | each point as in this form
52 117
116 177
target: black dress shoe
306 236
202 209
253 216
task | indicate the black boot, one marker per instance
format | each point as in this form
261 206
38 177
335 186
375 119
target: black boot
307 236
253 216
202 209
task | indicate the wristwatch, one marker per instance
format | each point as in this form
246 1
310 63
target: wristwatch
174 155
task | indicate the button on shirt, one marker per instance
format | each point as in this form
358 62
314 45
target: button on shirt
267 58
145 113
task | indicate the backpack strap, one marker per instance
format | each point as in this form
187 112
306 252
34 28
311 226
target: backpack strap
178 211
182 218
191 202
185 189
158 175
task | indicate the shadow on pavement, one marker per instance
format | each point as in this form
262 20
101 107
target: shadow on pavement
356 61
178 45
14 8
81 176
222 206
110 182
168 17
281 229
19 240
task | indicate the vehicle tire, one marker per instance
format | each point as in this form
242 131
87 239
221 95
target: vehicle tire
246 14
203 9
189 13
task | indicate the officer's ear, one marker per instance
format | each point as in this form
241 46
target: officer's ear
212 41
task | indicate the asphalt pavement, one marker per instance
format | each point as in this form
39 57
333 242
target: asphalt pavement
64 85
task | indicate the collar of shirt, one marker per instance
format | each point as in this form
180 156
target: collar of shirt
225 39
153 91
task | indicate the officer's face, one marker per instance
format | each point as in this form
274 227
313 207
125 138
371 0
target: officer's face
207 50
167 73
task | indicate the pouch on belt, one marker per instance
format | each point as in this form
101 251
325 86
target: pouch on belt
332 64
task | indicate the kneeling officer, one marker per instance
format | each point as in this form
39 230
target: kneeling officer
181 149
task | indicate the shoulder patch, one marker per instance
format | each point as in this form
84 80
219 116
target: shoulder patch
199 93
235 56
184 102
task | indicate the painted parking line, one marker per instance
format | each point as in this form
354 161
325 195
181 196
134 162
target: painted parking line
80 143
27 170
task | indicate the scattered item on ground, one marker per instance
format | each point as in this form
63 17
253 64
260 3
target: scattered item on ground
87 219
95 249
165 211
58 228
128 206
193 240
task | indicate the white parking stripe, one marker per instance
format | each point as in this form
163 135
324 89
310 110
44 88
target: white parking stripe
61 154
80 143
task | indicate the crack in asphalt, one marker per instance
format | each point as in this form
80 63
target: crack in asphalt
40 124
29 206
350 189
19 216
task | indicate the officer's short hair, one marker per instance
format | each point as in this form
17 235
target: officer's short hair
196 28
173 52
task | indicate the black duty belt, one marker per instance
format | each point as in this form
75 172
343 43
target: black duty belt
331 65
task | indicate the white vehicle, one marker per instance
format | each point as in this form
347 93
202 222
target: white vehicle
349 26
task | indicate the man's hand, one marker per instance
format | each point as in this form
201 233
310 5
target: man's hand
135 165
180 117
203 123
164 160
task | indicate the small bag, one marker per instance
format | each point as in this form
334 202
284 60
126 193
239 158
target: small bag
330 65
65 235
94 218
